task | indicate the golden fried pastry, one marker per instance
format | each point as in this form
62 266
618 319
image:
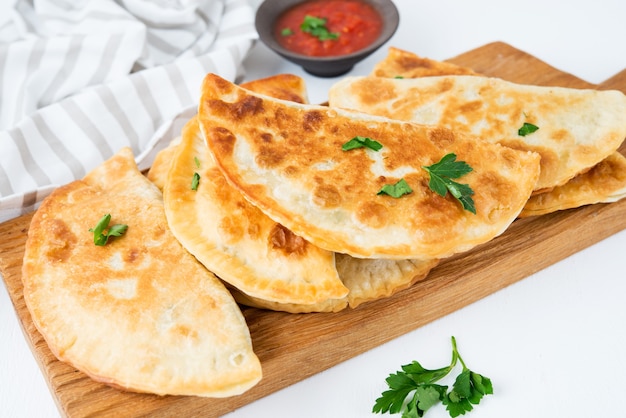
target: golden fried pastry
235 240
287 159
139 312
157 173
403 64
368 279
576 128
281 86
588 187
603 183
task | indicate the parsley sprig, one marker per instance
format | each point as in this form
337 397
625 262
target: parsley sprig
102 231
195 181
441 175
362 142
398 189
316 26
527 129
418 384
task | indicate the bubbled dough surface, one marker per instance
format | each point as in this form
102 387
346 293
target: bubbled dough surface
139 313
577 128
235 240
286 158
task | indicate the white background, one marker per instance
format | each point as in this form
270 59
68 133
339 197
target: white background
553 344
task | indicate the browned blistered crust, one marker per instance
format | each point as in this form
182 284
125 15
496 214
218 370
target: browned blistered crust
263 146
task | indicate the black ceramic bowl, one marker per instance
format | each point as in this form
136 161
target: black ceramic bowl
270 10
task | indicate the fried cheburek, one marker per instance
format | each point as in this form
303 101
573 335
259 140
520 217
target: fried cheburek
603 183
404 64
235 240
138 313
276 171
577 128
366 279
287 159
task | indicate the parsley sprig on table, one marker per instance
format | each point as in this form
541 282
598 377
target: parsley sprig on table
102 231
418 384
441 175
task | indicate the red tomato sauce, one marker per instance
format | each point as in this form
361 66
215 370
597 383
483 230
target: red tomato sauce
357 24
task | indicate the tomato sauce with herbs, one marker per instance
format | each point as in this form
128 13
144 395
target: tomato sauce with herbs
356 24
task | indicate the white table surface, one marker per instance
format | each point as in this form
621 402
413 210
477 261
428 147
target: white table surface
553 343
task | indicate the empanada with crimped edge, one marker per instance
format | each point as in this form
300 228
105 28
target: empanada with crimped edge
157 173
578 128
404 64
235 240
287 159
367 279
282 86
139 313
603 183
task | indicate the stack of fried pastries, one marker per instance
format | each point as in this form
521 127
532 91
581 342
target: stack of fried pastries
258 203
265 263
579 130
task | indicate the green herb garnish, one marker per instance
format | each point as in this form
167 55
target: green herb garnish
527 129
101 234
361 142
286 32
468 389
195 181
396 190
316 26
197 161
441 175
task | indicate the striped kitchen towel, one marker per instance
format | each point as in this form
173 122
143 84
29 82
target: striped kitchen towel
80 79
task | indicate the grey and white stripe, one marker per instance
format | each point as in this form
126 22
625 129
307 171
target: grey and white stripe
69 98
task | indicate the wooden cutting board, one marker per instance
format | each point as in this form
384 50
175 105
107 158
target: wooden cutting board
306 344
